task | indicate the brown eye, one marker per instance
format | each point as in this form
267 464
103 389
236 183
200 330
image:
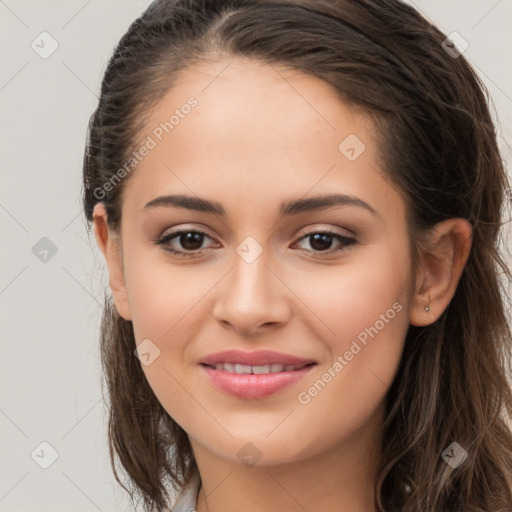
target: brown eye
321 241
189 240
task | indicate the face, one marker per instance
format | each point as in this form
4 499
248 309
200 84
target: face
329 283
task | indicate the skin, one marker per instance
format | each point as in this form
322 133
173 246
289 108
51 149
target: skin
261 135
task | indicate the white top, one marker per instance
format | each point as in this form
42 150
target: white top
188 498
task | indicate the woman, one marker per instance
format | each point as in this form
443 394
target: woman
299 204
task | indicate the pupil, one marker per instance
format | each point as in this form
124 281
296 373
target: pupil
319 241
187 240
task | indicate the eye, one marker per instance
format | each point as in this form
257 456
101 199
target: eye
190 240
321 241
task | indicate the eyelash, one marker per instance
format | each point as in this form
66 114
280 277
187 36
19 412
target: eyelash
164 241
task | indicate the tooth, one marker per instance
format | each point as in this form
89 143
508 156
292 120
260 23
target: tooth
257 370
261 369
242 368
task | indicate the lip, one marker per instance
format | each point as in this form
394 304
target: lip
255 358
253 386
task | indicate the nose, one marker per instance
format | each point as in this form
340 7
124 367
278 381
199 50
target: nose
252 298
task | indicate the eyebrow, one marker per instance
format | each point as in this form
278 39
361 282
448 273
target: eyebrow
291 207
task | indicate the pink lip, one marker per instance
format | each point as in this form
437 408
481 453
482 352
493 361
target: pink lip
255 358
252 386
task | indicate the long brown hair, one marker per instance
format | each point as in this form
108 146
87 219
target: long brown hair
437 145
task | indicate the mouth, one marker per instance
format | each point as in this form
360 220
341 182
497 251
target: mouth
256 370
254 382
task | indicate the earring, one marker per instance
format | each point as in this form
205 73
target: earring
427 308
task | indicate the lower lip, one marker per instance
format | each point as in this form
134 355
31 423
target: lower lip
245 385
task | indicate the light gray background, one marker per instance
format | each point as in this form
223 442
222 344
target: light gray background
50 311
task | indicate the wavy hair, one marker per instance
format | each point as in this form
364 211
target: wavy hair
438 146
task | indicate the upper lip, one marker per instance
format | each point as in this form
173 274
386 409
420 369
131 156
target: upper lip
255 358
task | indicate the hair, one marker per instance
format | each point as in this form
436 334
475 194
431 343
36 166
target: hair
438 147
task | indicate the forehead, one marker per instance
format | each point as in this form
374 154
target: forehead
243 132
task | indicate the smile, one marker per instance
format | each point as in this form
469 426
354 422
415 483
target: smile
257 370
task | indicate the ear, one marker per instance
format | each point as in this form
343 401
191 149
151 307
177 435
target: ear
110 246
440 270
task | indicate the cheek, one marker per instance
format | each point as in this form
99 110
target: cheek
166 301
364 309
162 294
352 296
